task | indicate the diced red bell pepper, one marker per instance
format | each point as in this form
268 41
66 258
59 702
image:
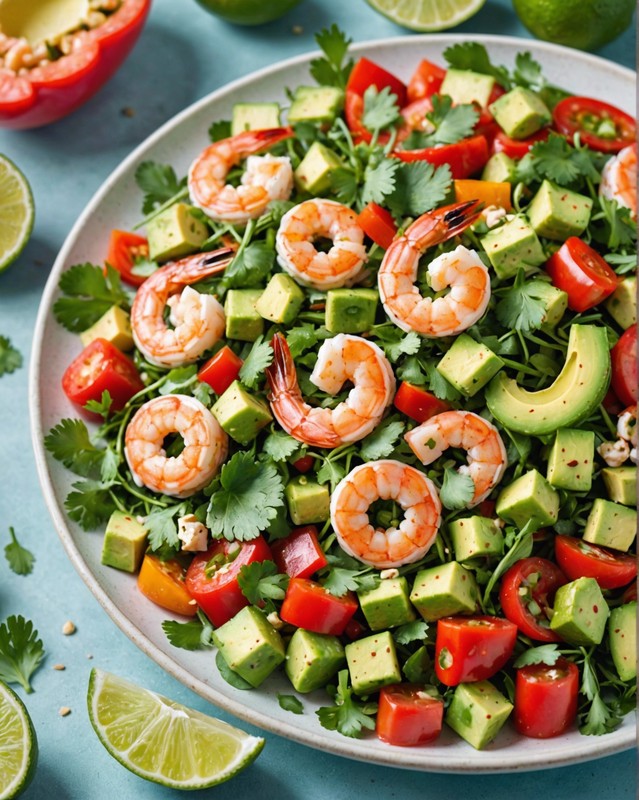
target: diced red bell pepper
300 553
408 716
465 158
366 73
378 224
418 404
425 81
309 605
221 370
472 648
517 148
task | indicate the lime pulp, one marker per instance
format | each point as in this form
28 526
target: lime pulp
19 750
16 212
427 15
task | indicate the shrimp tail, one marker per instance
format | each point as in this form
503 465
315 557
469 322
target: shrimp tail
255 141
443 224
280 374
196 267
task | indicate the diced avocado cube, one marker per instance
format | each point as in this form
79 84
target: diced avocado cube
372 663
557 213
611 525
571 460
475 537
478 712
622 635
444 590
240 414
499 168
281 301
530 497
114 326
315 104
469 365
520 112
387 606
250 645
622 303
621 484
175 232
351 310
242 319
513 245
307 500
314 172
464 86
312 659
580 612
254 117
124 542
555 301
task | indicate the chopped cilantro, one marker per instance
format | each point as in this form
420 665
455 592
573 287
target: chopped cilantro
414 631
474 56
220 129
380 109
101 406
250 266
260 581
258 359
332 70
19 558
196 634
21 651
347 716
379 181
381 442
162 526
290 703
561 163
520 308
419 187
90 293
451 123
439 386
159 184
90 504
69 442
457 489
10 357
280 446
543 654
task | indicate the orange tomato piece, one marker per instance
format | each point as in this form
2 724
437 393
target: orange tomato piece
491 193
163 583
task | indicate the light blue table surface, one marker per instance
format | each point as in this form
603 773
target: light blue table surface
183 54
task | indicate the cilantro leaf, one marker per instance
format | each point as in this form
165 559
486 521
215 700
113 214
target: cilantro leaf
177 379
451 123
280 446
411 371
561 163
21 651
411 632
90 293
379 181
330 472
348 575
10 358
457 490
347 716
90 505
381 442
304 337
69 442
247 499
220 129
101 406
258 359
158 182
380 109
196 634
521 548
162 526
520 308
290 703
20 559
619 229
543 654
331 70
474 56
439 386
344 185
250 266
261 581
528 71
599 718
419 187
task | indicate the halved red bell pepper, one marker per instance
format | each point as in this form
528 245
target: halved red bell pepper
378 224
310 606
221 370
300 553
465 158
54 90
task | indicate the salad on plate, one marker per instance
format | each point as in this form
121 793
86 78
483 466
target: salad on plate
359 403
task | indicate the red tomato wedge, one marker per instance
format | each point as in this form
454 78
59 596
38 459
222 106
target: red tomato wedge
310 606
211 578
582 273
546 699
472 648
378 224
578 559
101 367
299 554
600 126
526 594
623 358
367 73
124 248
221 370
465 158
408 716
417 403
517 148
425 81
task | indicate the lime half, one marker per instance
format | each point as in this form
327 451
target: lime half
19 746
16 212
164 741
427 15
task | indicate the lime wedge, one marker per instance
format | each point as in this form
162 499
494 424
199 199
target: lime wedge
427 15
164 741
19 750
16 212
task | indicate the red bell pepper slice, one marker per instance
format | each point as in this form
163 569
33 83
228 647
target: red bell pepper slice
309 605
526 595
124 248
578 559
582 273
378 224
366 73
221 370
101 367
300 553
416 403
546 698
425 81
517 148
408 716
472 648
623 358
465 158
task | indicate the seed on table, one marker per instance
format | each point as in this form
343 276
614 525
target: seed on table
59 667
297 30
64 711
68 628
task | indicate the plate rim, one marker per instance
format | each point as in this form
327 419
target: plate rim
356 749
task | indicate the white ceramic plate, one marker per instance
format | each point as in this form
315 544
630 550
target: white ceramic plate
117 205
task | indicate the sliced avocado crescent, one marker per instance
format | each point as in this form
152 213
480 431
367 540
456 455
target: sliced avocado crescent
576 392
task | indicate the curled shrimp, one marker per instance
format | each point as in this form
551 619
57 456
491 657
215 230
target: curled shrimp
385 480
619 179
462 271
205 445
198 319
470 432
317 219
343 358
266 177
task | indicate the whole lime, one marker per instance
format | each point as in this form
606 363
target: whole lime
585 24
248 12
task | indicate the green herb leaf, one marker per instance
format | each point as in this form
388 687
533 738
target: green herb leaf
90 505
520 548
21 651
474 56
10 357
331 70
258 359
250 267
439 386
162 526
220 129
290 703
381 442
561 163
520 308
379 181
451 123
457 490
20 559
196 634
419 187
280 446
89 294
344 185
414 631
260 581
301 339
346 574
158 182
229 675
380 109
528 71
544 654
347 715
330 472
69 442
101 406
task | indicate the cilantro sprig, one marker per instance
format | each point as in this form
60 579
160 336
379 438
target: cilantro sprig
10 357
89 291
332 69
450 124
347 716
20 559
21 651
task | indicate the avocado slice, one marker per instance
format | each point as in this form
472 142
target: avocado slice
575 393
622 633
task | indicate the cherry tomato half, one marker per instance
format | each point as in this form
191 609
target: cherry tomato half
425 81
378 224
407 715
221 370
526 594
124 248
300 553
465 158
579 559
304 464
367 73
472 648
416 403
623 357
546 698
101 367
582 273
163 583
211 578
309 605
600 126
517 148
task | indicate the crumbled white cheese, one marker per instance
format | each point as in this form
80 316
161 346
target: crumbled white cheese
274 619
389 574
192 533
614 453
492 215
627 425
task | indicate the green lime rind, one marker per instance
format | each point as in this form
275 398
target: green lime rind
17 212
19 750
163 741
427 16
248 12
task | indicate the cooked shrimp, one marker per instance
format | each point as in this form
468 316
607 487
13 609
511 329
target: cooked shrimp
343 358
385 480
462 271
266 177
468 431
619 179
205 445
317 219
198 319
